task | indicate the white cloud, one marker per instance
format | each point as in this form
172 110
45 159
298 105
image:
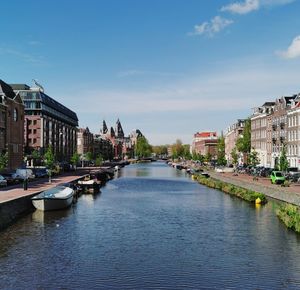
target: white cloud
293 51
242 7
212 27
276 2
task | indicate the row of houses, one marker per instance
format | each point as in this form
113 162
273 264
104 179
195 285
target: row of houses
275 126
31 120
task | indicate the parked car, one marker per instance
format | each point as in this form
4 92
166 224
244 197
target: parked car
3 181
277 177
295 177
25 173
40 172
12 178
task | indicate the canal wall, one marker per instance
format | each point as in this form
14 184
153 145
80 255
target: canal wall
12 210
279 193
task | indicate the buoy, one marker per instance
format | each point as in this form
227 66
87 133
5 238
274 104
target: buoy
258 201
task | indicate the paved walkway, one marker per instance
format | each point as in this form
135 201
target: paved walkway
289 194
34 187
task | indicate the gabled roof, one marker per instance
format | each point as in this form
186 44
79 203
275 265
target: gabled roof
7 90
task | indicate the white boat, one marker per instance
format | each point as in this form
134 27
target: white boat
58 197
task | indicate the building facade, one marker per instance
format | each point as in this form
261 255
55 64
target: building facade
279 127
85 140
205 143
11 126
293 133
231 136
261 133
47 123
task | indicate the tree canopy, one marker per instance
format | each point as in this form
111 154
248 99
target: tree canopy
142 148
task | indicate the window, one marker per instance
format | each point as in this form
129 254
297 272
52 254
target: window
15 115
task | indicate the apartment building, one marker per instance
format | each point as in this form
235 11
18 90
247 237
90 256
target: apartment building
84 141
47 123
279 127
11 126
261 132
205 143
231 135
293 133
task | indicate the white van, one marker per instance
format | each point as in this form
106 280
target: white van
25 173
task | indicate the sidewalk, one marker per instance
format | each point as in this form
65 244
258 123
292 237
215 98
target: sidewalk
34 187
263 185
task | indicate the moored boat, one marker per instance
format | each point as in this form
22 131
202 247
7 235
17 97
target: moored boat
58 197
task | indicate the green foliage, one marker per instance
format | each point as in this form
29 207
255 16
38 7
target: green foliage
246 194
99 160
88 156
243 144
207 157
142 148
49 161
75 158
177 149
197 157
221 160
3 160
290 216
283 161
235 156
186 152
36 155
253 159
160 150
49 158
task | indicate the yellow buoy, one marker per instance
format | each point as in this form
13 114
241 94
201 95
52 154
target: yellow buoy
258 201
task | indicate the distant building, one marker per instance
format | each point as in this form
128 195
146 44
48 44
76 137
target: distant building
47 123
85 141
261 133
293 133
11 126
205 143
232 134
279 126
123 146
102 147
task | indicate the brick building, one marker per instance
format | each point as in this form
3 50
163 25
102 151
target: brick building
11 126
47 123
85 140
231 136
205 143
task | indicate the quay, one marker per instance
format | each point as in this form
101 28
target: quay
15 202
263 185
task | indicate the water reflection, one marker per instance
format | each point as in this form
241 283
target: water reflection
152 228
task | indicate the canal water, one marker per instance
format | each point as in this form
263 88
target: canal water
151 228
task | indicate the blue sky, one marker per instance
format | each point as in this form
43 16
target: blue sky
168 67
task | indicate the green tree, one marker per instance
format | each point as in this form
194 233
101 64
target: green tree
142 148
177 149
235 156
283 161
207 157
253 158
3 160
88 156
221 160
99 160
243 143
75 159
49 161
186 152
35 155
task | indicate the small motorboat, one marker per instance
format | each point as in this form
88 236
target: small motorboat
58 197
